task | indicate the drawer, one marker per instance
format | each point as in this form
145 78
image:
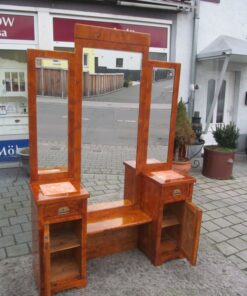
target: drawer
63 209
176 193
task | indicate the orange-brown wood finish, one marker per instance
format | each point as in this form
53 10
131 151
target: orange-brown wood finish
156 215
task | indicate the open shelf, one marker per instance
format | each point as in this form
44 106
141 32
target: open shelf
65 236
64 266
169 220
168 245
117 220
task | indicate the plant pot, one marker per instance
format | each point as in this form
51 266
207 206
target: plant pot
24 155
217 164
181 166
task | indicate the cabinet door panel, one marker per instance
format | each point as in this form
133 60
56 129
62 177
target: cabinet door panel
47 261
190 233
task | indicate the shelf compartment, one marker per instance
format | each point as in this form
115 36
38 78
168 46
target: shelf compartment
168 245
65 236
65 266
169 220
117 220
169 238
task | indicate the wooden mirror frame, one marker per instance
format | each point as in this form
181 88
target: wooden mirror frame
105 38
165 65
49 174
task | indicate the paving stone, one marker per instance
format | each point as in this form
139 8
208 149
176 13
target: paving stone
216 236
4 201
6 230
236 208
242 216
233 219
215 213
18 219
7 214
240 228
23 211
206 217
26 226
210 226
2 254
226 211
238 243
23 237
209 206
6 241
238 261
244 237
6 194
229 232
222 222
13 206
243 255
226 248
4 222
17 250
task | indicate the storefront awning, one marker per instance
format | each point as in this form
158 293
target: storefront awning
223 46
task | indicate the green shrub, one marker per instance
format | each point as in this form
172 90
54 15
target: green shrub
226 136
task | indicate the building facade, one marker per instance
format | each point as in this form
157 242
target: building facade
50 24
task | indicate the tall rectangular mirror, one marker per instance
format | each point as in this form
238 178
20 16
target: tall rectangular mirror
163 105
110 107
52 113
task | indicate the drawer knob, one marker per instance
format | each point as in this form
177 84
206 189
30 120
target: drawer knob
176 192
63 210
17 120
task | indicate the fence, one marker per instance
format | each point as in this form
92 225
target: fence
53 82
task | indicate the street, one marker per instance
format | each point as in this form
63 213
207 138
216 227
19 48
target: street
109 119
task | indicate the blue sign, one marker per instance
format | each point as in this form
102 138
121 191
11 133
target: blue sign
8 149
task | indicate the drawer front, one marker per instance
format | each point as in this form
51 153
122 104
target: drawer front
63 209
176 193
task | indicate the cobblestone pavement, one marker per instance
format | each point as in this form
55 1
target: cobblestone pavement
224 203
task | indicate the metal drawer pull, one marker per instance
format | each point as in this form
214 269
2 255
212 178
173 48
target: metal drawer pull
176 192
63 210
17 120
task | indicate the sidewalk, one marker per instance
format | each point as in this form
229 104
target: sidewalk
224 204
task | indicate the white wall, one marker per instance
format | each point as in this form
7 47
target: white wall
107 58
229 17
183 51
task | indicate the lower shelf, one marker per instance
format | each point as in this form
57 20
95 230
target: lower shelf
64 266
168 245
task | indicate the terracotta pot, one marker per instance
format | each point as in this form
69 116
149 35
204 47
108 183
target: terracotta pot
181 166
217 164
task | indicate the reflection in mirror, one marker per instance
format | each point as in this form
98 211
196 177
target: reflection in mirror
110 119
52 112
160 114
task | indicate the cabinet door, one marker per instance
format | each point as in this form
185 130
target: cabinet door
190 232
47 261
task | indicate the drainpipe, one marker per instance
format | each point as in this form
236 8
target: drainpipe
193 57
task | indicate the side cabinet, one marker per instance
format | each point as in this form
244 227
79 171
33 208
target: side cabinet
59 240
175 229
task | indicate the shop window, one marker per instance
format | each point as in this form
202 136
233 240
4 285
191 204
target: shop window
15 82
85 59
119 62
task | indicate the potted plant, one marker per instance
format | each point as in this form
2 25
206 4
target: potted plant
218 159
184 135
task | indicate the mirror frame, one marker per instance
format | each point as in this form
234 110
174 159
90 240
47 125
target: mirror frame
176 67
105 38
37 174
